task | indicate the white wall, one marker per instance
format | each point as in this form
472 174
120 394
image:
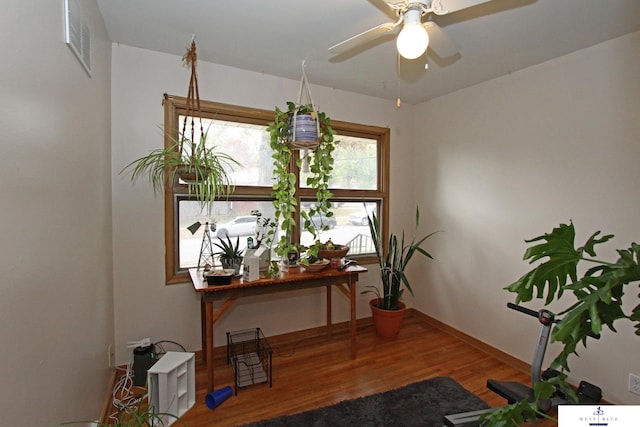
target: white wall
56 306
508 160
144 305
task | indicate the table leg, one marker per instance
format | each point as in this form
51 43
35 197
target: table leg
203 330
352 322
209 343
329 312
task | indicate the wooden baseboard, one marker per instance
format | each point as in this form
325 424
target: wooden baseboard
107 401
320 332
482 346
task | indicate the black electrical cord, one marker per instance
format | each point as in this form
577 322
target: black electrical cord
159 349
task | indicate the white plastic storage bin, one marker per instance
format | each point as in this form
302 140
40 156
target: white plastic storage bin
172 385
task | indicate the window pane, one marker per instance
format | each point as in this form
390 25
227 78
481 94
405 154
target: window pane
247 143
348 226
355 164
235 219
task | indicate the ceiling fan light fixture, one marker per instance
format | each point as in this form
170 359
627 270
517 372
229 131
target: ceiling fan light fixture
413 40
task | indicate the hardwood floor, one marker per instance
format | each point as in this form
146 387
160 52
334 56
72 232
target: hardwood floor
311 371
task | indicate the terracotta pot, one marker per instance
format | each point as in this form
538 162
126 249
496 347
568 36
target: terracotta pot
387 322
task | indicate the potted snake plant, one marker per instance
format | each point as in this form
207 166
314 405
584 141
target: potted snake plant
387 308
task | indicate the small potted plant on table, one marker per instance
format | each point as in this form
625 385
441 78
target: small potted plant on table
230 254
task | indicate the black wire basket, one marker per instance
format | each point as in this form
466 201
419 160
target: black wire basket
250 355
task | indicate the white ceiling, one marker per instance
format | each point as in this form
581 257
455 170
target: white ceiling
275 36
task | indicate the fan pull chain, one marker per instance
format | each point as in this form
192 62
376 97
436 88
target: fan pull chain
398 100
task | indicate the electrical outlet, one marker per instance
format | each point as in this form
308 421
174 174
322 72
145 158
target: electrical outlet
634 384
110 355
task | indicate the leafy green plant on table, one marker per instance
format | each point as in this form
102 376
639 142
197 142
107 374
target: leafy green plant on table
598 296
393 263
228 250
286 178
265 230
273 269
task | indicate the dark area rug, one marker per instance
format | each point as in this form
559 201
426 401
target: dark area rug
421 404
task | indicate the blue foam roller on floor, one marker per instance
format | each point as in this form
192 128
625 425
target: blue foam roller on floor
216 397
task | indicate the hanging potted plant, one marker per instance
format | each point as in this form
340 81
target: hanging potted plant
286 137
320 166
186 158
387 309
203 170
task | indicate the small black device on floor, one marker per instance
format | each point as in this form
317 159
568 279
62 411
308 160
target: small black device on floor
143 359
588 394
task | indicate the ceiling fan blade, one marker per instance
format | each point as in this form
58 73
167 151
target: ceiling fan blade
439 41
364 37
396 5
447 6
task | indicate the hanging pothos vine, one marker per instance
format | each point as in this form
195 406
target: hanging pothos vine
286 175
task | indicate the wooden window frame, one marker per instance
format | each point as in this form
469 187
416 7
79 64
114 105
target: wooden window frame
175 106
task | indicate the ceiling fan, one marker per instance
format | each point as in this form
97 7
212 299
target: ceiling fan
415 36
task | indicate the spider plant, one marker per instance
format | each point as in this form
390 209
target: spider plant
206 167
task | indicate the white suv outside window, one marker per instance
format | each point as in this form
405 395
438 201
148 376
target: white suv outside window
239 226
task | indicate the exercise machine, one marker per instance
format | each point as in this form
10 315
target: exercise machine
514 391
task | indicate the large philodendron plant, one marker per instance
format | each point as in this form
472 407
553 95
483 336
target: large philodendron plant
286 177
598 296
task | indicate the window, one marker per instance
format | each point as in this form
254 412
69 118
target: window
359 185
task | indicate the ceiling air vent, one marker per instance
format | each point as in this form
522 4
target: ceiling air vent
77 34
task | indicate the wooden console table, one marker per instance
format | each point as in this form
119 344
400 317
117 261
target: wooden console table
296 278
